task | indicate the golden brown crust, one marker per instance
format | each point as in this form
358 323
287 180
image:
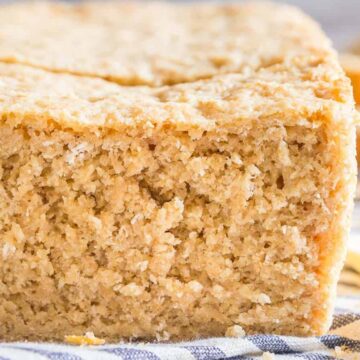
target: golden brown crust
333 243
225 100
291 74
157 43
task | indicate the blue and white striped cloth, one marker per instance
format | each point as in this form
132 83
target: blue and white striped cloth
342 342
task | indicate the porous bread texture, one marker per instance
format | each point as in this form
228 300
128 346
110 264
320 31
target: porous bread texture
165 229
172 211
167 235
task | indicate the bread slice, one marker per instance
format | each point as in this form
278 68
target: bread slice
175 179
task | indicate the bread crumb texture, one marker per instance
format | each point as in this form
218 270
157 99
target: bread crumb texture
196 184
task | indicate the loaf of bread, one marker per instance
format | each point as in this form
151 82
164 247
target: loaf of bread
170 171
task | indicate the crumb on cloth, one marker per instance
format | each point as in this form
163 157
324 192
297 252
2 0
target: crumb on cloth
88 339
268 356
235 331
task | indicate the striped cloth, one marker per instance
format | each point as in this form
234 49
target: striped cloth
342 342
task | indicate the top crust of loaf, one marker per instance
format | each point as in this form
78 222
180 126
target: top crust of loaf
202 66
157 43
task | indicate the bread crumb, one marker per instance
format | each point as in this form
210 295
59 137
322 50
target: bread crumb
235 331
164 336
143 265
268 356
95 221
77 152
195 286
88 339
131 290
263 299
7 250
136 218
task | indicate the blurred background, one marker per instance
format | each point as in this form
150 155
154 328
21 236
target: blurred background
339 18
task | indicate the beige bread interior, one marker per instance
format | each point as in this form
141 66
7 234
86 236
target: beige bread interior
181 234
170 171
